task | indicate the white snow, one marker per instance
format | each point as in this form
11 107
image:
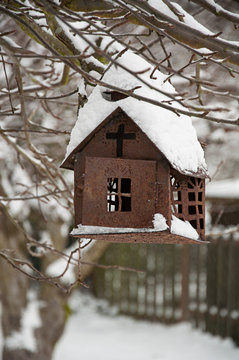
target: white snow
223 189
183 228
188 19
95 331
173 135
91 334
159 223
163 8
57 267
11 43
24 338
192 22
90 229
178 227
219 8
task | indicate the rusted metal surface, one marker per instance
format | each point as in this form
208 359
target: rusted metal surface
188 200
120 136
79 181
109 200
122 180
97 144
159 237
163 194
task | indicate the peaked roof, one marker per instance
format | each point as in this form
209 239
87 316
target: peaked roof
173 135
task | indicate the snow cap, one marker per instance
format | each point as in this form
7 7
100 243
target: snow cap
173 135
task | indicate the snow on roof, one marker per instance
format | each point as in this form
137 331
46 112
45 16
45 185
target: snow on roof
173 135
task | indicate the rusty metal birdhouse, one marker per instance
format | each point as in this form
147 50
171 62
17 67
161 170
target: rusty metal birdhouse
139 169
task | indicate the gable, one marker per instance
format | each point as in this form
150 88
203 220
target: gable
103 141
173 135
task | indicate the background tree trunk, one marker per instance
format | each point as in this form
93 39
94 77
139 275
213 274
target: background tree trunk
14 287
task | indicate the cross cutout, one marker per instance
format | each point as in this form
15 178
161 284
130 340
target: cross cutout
120 136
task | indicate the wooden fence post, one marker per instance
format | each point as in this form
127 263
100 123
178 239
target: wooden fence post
185 281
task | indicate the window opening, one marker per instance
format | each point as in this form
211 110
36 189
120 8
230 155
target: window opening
193 223
191 196
112 197
187 200
125 203
192 210
201 224
200 183
125 186
179 195
118 197
176 197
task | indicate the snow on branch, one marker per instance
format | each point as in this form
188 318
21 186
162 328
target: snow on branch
49 49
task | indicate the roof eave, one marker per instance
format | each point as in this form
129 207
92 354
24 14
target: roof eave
200 173
68 163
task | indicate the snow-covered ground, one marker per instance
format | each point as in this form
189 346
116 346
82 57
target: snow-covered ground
96 332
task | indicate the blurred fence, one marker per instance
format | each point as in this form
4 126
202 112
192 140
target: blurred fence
196 283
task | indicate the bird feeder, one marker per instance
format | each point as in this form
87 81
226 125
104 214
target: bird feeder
139 169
